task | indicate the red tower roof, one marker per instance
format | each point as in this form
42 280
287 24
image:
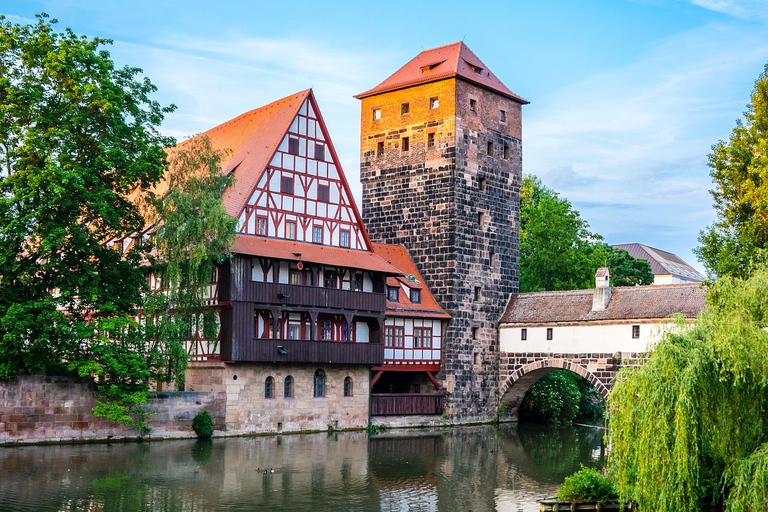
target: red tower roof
453 60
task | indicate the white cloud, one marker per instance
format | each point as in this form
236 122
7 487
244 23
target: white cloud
19 19
629 146
745 9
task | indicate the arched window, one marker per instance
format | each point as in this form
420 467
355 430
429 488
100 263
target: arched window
347 386
269 388
319 383
288 387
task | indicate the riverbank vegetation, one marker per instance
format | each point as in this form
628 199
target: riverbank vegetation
560 398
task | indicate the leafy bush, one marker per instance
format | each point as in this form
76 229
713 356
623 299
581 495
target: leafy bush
588 485
203 425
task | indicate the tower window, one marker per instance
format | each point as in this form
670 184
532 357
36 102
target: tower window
492 258
490 148
483 184
380 148
503 116
319 151
323 193
405 108
406 144
286 185
478 293
474 332
506 152
477 357
472 105
550 334
635 331
481 218
293 146
430 140
433 103
376 114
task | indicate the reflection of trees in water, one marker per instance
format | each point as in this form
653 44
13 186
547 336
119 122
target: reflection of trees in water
548 454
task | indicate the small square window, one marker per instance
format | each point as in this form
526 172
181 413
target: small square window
323 193
406 144
523 334
415 295
472 105
293 146
490 148
393 293
405 108
430 140
376 114
483 184
635 331
290 230
506 152
344 238
317 234
550 334
478 293
319 151
503 116
286 185
380 149
434 103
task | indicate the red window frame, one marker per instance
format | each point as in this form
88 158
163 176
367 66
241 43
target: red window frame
343 232
262 220
287 231
425 335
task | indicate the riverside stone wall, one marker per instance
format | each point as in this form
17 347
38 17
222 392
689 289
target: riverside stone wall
38 408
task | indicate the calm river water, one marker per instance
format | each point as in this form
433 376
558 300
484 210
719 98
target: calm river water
458 469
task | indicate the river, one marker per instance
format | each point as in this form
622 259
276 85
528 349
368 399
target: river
484 468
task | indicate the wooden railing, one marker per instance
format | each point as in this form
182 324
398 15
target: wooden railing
404 404
310 296
305 351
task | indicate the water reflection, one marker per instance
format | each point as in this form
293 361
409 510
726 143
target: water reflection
478 468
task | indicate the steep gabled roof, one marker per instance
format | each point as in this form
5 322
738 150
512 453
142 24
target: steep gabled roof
662 262
398 257
449 61
651 302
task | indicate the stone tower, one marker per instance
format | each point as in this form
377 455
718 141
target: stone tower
441 165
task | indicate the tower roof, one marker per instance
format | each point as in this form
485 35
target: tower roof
453 60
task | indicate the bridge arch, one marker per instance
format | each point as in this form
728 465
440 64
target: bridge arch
517 385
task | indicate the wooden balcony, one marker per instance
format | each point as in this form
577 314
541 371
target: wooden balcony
305 351
289 295
405 404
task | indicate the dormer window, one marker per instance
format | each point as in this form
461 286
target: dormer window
427 69
415 295
393 294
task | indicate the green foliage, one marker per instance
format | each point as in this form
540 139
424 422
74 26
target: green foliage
691 424
193 232
627 270
588 484
737 241
77 136
558 252
553 399
203 425
375 429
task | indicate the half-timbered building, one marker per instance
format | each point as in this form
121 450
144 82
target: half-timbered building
302 299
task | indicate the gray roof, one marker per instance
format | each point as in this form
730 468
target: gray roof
627 303
663 262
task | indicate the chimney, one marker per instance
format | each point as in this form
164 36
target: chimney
602 289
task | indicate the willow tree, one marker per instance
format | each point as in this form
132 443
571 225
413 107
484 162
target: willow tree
192 232
691 424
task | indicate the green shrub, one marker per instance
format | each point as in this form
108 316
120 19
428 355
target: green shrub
203 425
588 484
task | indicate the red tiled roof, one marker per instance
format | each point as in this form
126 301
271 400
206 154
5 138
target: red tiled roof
314 253
398 256
627 303
451 60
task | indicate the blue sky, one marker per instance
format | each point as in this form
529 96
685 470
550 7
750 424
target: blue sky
627 97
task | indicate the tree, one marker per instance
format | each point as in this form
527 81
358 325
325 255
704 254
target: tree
691 424
77 135
627 270
738 239
193 232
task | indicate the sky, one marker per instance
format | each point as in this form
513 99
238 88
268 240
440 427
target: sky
627 96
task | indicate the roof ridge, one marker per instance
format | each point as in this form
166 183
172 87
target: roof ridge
442 46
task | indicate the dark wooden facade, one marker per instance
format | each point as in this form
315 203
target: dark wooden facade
404 404
239 341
